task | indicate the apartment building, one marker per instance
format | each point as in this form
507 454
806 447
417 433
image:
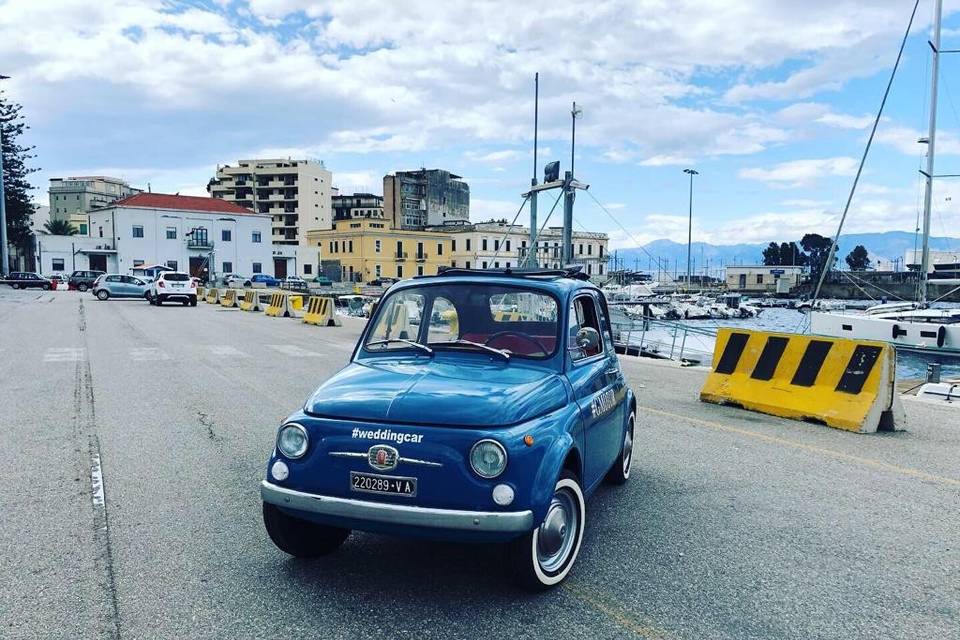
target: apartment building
73 198
296 194
486 245
365 249
425 197
357 205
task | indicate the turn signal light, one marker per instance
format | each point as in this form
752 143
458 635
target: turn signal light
528 440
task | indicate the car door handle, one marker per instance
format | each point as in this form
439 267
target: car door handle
612 372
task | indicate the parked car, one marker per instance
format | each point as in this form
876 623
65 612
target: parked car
83 280
234 280
323 281
265 279
117 285
27 280
457 421
294 282
173 285
56 278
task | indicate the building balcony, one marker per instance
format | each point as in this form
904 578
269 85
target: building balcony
200 244
421 257
401 256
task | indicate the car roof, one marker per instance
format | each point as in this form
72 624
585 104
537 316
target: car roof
559 281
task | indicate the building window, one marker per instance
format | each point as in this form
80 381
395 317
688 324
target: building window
83 228
137 231
171 233
439 248
172 264
468 244
137 263
496 245
759 278
468 264
483 244
453 245
331 246
496 265
225 235
307 269
228 267
589 272
484 265
377 270
419 249
600 267
257 267
376 246
508 247
399 270
350 246
101 231
256 237
589 249
419 269
57 264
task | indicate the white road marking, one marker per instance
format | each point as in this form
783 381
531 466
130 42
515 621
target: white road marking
64 354
293 350
96 481
147 354
226 351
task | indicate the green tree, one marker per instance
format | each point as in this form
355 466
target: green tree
791 254
59 228
817 248
858 259
771 255
16 172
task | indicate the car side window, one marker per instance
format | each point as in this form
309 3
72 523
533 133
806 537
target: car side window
583 314
113 279
444 323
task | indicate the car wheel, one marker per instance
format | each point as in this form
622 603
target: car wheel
620 471
103 294
82 287
158 301
193 302
300 538
46 287
543 558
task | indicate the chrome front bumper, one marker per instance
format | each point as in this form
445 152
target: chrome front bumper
493 521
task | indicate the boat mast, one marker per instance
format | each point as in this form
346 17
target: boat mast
931 139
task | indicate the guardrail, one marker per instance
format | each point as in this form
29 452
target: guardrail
668 339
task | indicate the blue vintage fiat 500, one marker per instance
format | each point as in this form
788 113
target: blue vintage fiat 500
479 406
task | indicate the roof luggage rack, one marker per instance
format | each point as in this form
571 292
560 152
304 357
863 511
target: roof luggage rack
573 271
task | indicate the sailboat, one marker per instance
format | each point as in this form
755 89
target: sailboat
912 326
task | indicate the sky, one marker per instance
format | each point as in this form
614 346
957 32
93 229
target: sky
771 102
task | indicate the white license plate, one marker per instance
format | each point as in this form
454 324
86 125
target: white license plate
387 485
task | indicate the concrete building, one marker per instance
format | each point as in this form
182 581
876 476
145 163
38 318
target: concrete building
357 205
73 198
912 259
364 249
296 194
182 232
762 278
494 245
426 197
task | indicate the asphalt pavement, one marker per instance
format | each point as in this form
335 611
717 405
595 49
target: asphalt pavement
134 439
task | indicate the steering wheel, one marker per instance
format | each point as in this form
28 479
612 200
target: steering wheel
501 334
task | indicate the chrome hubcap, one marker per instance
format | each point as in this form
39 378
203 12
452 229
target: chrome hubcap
628 450
557 533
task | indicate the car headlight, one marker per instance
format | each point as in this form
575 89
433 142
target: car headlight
488 458
292 440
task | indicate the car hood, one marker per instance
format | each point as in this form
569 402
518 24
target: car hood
435 391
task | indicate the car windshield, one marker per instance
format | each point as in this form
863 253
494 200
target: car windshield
176 277
516 320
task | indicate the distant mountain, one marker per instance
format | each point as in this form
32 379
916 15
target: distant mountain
888 245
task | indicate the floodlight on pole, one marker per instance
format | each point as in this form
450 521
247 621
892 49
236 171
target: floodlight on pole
691 172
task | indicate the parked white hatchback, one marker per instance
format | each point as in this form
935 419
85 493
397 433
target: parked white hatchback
173 286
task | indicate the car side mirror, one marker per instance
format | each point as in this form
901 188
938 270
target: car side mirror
588 338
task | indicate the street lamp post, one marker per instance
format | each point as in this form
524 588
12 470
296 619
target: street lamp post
4 253
691 172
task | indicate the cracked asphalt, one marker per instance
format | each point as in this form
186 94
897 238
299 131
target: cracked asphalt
734 525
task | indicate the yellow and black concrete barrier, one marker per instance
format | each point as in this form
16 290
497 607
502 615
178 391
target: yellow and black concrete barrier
845 384
286 305
213 296
249 301
320 312
201 293
229 298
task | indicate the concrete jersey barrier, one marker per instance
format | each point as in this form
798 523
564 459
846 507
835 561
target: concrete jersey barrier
213 296
845 384
249 301
320 311
287 305
229 298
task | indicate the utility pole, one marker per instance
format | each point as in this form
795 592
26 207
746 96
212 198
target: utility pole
570 190
532 253
4 253
691 172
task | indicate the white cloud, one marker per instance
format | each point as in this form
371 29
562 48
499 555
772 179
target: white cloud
665 160
796 173
904 140
494 157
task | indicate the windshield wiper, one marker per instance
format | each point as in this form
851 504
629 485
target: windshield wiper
500 352
411 343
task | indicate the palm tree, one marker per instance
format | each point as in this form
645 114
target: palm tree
60 228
